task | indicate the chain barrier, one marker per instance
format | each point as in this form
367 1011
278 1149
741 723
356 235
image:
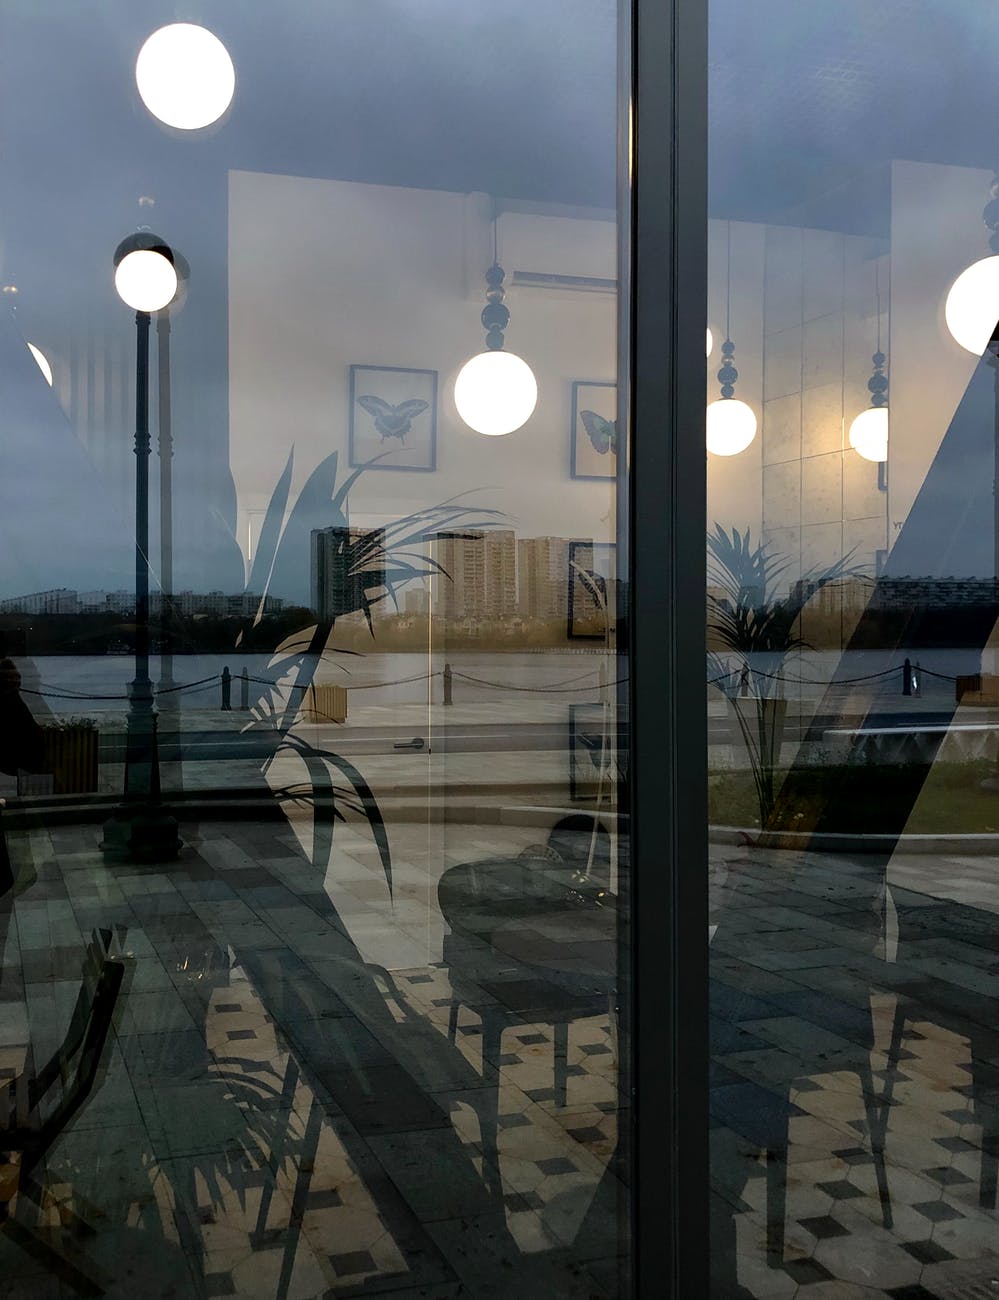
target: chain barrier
944 677
81 698
543 690
205 683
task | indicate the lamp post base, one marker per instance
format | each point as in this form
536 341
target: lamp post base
141 832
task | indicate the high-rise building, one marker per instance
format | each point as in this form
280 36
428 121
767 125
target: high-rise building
543 577
416 601
59 600
340 580
480 574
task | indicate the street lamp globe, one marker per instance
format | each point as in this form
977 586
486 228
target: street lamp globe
145 276
185 76
495 393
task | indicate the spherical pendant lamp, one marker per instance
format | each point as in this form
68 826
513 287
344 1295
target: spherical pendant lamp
972 306
730 423
869 433
495 392
185 76
730 426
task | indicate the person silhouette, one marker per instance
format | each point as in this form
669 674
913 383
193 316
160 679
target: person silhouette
22 745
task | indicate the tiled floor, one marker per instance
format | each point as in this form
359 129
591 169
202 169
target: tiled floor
825 986
282 1117
284 1113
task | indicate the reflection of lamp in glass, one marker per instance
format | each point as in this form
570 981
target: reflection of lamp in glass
972 315
141 826
869 431
185 76
730 425
43 362
496 391
972 306
145 279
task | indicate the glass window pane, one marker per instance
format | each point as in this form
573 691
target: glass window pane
309 684
852 607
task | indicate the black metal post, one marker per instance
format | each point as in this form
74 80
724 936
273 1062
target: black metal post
165 448
141 689
141 827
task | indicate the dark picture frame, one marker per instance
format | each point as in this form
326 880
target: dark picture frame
583 620
596 398
380 435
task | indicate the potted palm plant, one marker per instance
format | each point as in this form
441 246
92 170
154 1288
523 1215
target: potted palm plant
371 566
756 630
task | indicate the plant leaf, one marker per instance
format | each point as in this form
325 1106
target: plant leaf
263 558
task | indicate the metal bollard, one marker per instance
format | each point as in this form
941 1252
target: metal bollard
907 678
244 689
448 686
226 688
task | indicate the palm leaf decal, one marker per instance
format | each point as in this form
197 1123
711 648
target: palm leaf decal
263 558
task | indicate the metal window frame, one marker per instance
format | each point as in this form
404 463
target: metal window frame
662 523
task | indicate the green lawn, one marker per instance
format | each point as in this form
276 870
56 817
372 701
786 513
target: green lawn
950 800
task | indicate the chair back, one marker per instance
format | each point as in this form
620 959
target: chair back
36 1106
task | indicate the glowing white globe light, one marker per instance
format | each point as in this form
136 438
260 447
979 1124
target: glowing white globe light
869 433
710 344
495 393
185 76
146 280
972 306
731 426
43 362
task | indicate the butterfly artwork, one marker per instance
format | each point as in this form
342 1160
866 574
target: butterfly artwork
594 430
393 421
602 433
393 418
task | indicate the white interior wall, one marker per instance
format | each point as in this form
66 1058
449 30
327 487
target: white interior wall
326 274
936 232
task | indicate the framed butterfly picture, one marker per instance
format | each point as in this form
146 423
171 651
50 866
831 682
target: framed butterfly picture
593 438
393 418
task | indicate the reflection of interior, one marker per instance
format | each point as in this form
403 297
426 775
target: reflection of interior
272 1114
854 1091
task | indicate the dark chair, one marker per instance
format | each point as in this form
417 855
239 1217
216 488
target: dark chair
954 1008
35 1109
533 940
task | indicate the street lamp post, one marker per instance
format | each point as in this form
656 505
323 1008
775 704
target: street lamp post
142 828
165 448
